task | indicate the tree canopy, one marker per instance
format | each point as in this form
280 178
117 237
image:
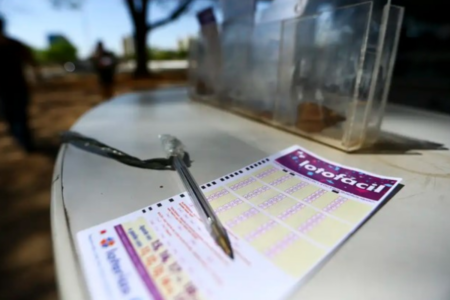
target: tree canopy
60 51
138 11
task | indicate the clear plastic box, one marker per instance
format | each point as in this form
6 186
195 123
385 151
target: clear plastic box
325 74
335 72
192 71
201 81
261 83
320 71
375 112
235 37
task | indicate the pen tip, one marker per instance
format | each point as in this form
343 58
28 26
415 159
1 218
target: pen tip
225 244
228 251
222 239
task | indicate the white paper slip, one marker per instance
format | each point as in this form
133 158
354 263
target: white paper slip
284 214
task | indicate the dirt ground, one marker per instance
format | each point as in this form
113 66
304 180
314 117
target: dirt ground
26 259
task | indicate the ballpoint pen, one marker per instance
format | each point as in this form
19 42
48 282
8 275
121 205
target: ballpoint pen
175 149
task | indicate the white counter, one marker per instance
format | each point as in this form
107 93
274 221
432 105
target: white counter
403 252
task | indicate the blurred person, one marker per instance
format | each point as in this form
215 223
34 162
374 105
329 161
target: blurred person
14 90
105 66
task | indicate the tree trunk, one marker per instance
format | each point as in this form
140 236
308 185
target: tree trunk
140 42
138 14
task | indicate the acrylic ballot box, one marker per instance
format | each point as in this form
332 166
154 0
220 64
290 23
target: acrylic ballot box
261 72
200 82
324 74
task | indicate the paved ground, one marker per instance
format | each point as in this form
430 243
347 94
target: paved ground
26 260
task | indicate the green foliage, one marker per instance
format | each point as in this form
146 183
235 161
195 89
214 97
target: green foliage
165 54
59 52
40 56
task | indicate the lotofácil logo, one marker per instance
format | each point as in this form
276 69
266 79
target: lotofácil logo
328 174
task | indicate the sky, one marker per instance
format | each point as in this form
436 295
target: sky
31 21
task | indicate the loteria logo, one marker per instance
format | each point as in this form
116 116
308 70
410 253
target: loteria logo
116 266
108 242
